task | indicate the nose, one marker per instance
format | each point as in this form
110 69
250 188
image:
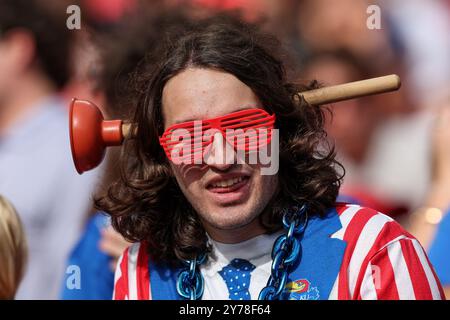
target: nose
220 154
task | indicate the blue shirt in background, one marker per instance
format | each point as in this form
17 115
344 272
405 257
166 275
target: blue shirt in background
96 276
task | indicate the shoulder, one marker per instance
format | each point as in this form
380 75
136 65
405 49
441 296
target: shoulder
382 260
366 232
368 228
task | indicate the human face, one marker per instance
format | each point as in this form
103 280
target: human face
227 196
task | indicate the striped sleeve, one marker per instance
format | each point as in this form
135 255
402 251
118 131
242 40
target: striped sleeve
400 270
131 281
381 260
120 278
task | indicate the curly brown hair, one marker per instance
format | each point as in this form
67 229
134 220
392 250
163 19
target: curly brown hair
146 203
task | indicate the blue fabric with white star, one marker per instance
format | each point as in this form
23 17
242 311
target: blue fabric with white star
237 278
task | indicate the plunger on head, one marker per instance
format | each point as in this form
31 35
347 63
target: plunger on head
90 134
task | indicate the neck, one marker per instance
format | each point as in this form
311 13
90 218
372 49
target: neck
22 100
236 235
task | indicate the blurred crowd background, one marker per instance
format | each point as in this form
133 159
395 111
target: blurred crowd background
395 147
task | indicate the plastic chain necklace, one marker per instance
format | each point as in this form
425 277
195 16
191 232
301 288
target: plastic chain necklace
286 252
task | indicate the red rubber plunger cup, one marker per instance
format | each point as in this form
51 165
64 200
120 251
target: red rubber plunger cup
90 134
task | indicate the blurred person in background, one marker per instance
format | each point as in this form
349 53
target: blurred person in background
403 142
396 157
13 250
325 25
350 124
424 27
431 222
36 172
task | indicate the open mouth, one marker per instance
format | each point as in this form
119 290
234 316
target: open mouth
230 185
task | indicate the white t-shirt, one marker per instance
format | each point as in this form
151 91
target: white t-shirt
256 250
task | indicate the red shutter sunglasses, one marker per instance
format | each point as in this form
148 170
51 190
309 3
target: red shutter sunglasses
246 130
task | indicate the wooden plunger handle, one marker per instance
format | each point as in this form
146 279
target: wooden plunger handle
336 93
352 90
126 129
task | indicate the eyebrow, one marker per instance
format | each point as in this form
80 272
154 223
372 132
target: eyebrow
239 109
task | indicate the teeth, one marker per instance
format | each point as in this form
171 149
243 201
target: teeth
227 183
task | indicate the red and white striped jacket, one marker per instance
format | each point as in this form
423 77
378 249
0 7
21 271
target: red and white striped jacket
381 261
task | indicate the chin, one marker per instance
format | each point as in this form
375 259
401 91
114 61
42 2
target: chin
226 218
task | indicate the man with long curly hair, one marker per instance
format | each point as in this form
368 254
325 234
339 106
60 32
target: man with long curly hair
206 228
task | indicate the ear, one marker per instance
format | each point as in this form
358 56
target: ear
21 48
